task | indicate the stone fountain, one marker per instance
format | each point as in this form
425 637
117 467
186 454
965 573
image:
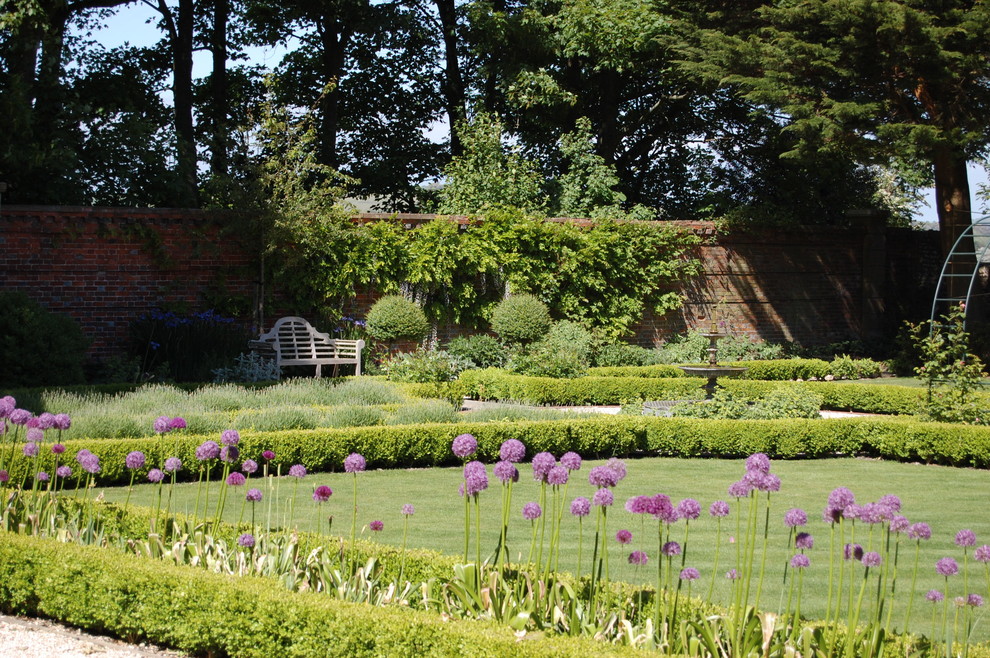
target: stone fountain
712 371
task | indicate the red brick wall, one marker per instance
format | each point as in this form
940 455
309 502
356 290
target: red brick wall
107 266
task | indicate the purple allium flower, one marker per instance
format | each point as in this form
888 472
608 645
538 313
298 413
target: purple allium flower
663 509
531 511
542 463
580 506
249 466
173 464
965 538
58 448
758 462
851 511
512 450
871 559
506 472
4 476
795 517
41 476
229 454
841 498
134 460
618 467
874 513
852 552
475 478
20 416
268 455
800 561
82 454
464 445
732 574
376 526
638 558
156 475
557 475
946 567
804 540
571 461
322 493
62 421
35 435
623 537
640 505
719 509
935 596
7 405
162 424
831 515
920 531
603 498
671 548
46 420
899 523
408 510
30 449
236 479
974 600
689 574
177 423
230 437
602 476
689 509
891 502
982 554
246 540
297 471
253 496
354 463
207 450
91 464
63 472
740 489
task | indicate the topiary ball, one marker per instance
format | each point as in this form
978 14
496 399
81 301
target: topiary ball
394 317
521 319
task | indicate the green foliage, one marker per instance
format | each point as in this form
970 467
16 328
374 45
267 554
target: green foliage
482 350
394 317
569 336
622 354
425 366
781 403
427 411
521 319
37 347
544 361
250 367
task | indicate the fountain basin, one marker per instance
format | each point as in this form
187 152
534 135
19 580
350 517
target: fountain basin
709 372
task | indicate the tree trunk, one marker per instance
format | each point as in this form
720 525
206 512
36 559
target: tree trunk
453 85
182 94
334 38
954 214
219 89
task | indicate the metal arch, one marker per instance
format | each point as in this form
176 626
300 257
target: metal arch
946 276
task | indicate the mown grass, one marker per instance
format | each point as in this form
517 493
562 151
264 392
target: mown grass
948 499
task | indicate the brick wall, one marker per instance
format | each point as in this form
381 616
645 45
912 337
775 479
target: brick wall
107 266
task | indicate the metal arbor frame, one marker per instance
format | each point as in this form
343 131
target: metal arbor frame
959 260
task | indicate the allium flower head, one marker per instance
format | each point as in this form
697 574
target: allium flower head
974 600
874 513
376 526
63 472
246 540
156 475
671 548
236 479
571 461
20 416
7 405
90 464
506 472
268 455
82 454
41 476
464 445
408 510
162 424
473 468
982 554
638 558
689 574
35 435
852 552
30 449
476 482
871 559
840 498
899 523
542 463
719 509
177 423
892 502
531 511
602 476
230 437
758 462
173 464
249 466
207 450
920 531
640 505
229 454
134 460
603 498
46 420
804 540
4 476
62 421
800 561
946 567
663 509
795 517
354 463
322 493
852 511
253 496
935 596
623 537
297 471
557 476
965 538
512 450
580 506
618 467
58 448
689 509
732 574
740 489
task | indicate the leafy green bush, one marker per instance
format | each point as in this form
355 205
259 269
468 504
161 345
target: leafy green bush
623 354
424 366
785 369
394 317
482 350
521 319
780 403
544 361
37 347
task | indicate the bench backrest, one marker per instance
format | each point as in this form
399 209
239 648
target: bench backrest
295 338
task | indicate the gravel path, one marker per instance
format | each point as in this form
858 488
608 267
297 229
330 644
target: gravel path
27 637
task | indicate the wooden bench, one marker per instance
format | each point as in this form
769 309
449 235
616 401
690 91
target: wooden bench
295 342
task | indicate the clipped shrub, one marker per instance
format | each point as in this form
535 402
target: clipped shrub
356 416
521 319
425 366
482 350
427 411
616 355
789 402
394 317
568 336
280 418
37 347
364 390
550 363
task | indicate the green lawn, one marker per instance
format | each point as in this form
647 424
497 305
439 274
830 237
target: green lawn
949 499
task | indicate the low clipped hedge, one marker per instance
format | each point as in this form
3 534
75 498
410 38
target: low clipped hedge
768 370
204 613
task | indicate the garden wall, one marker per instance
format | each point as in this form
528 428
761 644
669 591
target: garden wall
107 266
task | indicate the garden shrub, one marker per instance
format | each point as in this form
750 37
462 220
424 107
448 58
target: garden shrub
780 403
427 411
658 371
192 345
277 418
249 367
364 390
394 317
521 319
570 337
353 416
482 350
545 361
425 366
37 347
622 354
